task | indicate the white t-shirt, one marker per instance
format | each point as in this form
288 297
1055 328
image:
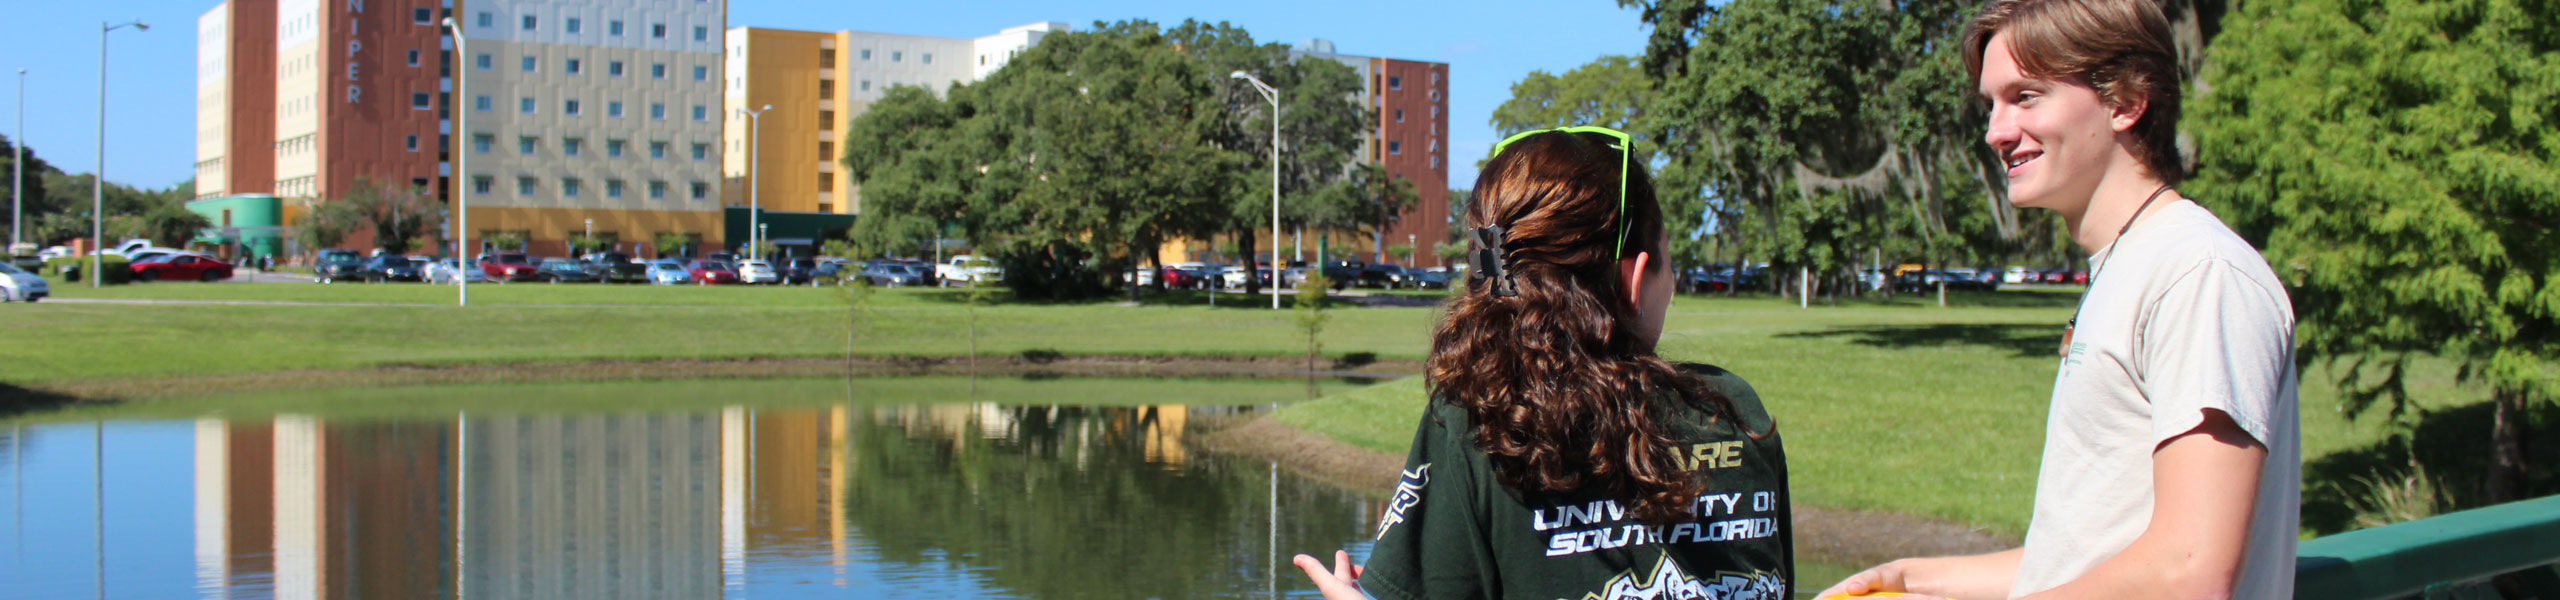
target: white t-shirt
2183 317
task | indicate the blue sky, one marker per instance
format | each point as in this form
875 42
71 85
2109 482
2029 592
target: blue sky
1488 44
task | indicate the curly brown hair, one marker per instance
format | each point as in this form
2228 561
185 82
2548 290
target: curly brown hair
1557 380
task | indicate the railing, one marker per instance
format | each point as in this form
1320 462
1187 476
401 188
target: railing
2444 556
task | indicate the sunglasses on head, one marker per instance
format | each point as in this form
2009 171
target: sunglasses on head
1626 147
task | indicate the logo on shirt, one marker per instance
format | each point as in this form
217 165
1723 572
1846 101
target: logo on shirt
1408 493
1668 582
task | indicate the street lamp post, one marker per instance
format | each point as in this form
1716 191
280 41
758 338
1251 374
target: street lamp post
18 168
98 184
1272 94
461 198
755 208
591 231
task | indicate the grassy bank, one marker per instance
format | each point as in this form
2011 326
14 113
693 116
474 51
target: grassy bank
1925 411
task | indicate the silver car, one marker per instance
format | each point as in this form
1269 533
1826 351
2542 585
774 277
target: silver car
16 284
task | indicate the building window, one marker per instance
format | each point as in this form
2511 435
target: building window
571 146
480 185
657 70
613 28
657 111
422 16
658 30
613 148
421 100
528 62
482 61
613 68
866 54
1399 115
863 86
826 182
657 150
571 25
826 89
701 190
570 107
525 143
525 105
1395 83
826 57
528 23
701 113
1395 147
701 73
569 186
701 151
613 188
826 119
826 150
413 142
480 142
413 57
701 33
484 19
1435 161
576 67
613 109
524 186
928 58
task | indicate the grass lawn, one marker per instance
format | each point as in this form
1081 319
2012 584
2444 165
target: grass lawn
1901 405
1927 411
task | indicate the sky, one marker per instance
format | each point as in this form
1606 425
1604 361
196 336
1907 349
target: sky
1488 44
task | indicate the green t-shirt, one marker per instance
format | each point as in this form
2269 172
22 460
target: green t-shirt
1453 531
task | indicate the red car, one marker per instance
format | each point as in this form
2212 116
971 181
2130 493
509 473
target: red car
503 267
707 272
180 267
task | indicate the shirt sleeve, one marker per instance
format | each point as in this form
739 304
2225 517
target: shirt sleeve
1426 538
2219 340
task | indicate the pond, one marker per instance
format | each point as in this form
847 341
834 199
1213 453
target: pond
923 487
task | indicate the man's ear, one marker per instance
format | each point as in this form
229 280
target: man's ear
2123 114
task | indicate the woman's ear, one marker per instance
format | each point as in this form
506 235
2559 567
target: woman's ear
1635 270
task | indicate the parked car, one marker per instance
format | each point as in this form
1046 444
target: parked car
829 272
18 285
615 267
565 270
1292 276
2055 276
2080 276
892 274
504 267
708 272
2017 275
798 270
667 272
1430 280
752 271
53 252
1232 276
1384 276
444 270
334 265
392 267
180 267
966 270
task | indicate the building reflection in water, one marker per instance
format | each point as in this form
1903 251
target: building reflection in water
1037 500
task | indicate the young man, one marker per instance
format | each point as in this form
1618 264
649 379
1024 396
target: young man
2172 460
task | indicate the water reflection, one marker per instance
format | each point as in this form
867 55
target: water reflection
947 500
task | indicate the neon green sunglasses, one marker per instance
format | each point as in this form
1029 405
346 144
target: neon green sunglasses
1626 147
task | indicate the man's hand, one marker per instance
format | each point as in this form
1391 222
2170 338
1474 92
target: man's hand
1341 583
1979 577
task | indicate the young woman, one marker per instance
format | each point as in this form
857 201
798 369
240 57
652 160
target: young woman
1559 457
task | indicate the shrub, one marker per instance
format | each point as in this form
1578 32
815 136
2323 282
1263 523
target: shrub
64 271
1057 270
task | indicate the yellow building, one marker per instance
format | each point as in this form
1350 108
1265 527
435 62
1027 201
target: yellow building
815 83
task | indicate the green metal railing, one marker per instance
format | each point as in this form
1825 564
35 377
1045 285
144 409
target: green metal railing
2444 556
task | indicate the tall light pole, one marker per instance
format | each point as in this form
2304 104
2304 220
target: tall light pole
98 184
461 152
1272 94
18 168
755 209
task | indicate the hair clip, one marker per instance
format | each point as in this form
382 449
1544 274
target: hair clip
1489 258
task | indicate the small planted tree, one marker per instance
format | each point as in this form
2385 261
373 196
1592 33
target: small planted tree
1311 318
675 243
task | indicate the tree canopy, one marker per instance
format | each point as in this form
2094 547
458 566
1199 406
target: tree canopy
1112 141
2399 163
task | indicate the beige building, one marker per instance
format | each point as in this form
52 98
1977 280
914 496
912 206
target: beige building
816 82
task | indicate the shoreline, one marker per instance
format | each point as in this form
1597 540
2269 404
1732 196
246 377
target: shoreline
1848 537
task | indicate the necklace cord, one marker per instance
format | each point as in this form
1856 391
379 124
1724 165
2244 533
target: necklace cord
2095 270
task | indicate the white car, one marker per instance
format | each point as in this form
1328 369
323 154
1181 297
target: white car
17 284
53 252
443 271
965 269
668 272
1233 277
756 271
2017 275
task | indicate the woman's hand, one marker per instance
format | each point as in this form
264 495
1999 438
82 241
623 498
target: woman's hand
1341 583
